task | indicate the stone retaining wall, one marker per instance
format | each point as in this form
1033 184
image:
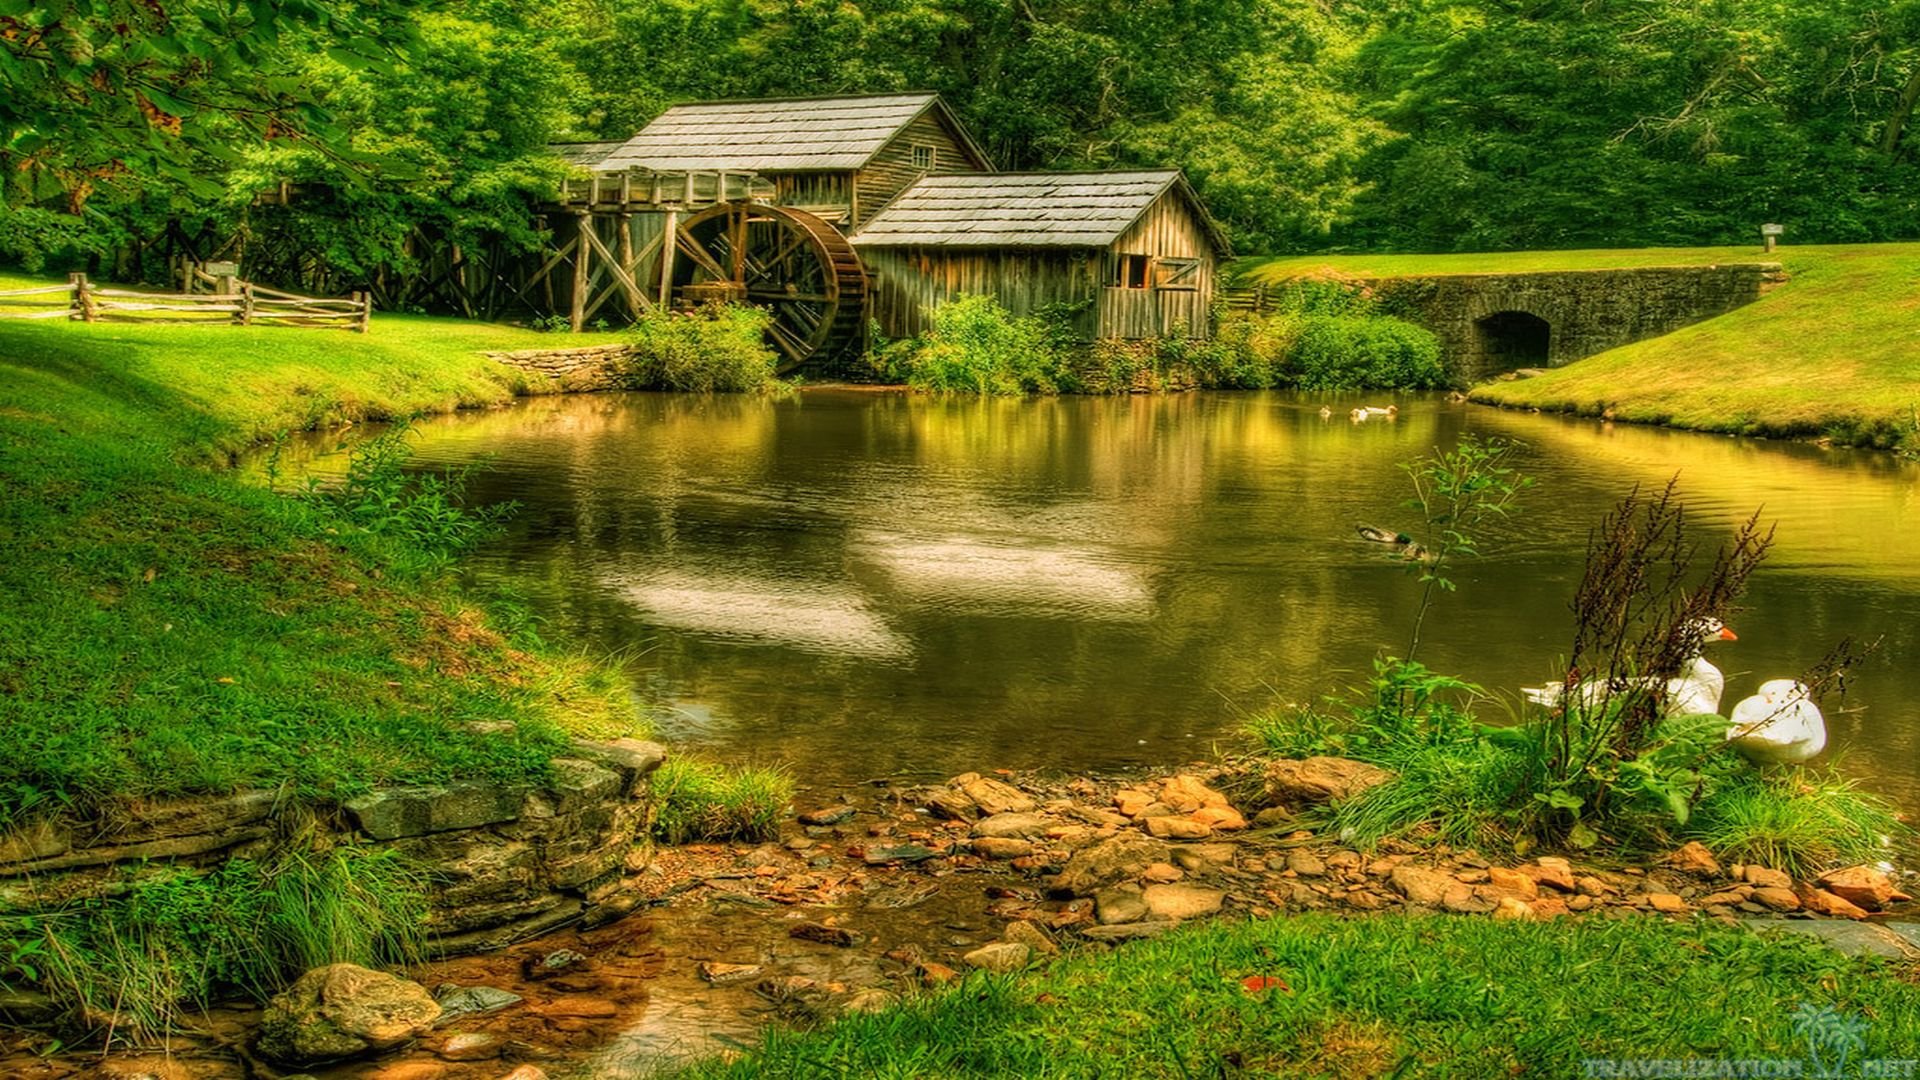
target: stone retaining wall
590 367
506 862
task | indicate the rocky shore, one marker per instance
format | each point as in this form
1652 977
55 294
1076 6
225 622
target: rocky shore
864 901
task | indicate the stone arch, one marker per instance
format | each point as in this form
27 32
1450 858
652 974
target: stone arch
1514 339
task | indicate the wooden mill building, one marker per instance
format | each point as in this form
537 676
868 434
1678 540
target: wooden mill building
833 212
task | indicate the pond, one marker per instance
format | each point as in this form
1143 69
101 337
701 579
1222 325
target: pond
870 584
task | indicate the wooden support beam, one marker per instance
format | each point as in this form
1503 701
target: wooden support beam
582 269
625 263
669 241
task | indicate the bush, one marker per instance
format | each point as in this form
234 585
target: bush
699 800
975 346
425 513
719 348
1365 352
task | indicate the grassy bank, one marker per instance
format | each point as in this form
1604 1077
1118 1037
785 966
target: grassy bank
167 629
1380 996
1834 352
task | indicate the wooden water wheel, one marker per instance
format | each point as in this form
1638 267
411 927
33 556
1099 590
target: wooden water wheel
798 267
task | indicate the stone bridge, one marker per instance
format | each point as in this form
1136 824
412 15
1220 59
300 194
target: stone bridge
1489 324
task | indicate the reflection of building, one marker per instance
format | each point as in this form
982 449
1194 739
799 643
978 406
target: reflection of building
773 191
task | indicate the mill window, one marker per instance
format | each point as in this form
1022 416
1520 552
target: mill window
1131 271
923 157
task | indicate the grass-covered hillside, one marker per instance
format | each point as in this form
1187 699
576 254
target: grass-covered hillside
1835 351
167 628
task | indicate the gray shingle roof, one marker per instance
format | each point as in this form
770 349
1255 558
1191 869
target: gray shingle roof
773 136
587 155
1019 210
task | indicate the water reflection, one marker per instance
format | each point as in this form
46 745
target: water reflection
871 583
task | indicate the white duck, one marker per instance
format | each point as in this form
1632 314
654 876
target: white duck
1695 690
1778 725
1369 412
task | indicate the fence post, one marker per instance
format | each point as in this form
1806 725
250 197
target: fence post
246 303
82 297
366 309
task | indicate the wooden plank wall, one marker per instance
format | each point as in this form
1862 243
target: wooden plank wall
818 193
892 168
1168 228
906 284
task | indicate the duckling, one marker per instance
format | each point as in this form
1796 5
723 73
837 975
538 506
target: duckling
1326 412
1405 546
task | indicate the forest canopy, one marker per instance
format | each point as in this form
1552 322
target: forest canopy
1307 125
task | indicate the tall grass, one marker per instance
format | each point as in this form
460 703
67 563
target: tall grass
1802 822
701 800
128 964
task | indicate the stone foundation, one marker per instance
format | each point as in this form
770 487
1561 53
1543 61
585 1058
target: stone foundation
587 368
506 862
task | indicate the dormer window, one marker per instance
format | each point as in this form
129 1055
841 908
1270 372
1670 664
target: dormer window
924 157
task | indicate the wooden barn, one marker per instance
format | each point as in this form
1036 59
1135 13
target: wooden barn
1134 252
837 213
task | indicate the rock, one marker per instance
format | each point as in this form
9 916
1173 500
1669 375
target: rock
1722 899
1822 902
1510 908
1775 898
837 936
528 1072
1273 816
1119 858
1862 886
1420 885
456 1001
1187 793
1554 873
994 797
1000 956
392 813
1220 818
1163 873
994 847
1768 879
1126 931
935 974
881 854
827 815
558 962
1579 903
472 1046
1177 902
1470 899
1667 903
718 973
1032 936
1173 828
341 1011
611 910
1362 900
1594 887
1549 907
1319 779
1158 809
1306 864
1512 882
1132 803
1120 904
1693 858
872 999
953 806
1012 826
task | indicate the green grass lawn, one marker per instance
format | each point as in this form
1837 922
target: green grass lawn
1834 352
1376 996
168 628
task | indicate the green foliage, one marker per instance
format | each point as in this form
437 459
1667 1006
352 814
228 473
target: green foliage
1347 352
1802 823
975 346
425 513
717 349
1386 995
700 800
184 937
1457 491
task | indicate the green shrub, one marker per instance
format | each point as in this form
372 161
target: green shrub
975 346
719 348
1352 352
187 937
700 800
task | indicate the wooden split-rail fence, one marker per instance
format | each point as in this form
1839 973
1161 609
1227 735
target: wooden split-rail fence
241 303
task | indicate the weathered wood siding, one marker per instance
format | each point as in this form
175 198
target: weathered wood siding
892 169
1168 229
825 193
906 284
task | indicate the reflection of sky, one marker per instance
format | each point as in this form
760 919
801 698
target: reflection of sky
805 617
1031 579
